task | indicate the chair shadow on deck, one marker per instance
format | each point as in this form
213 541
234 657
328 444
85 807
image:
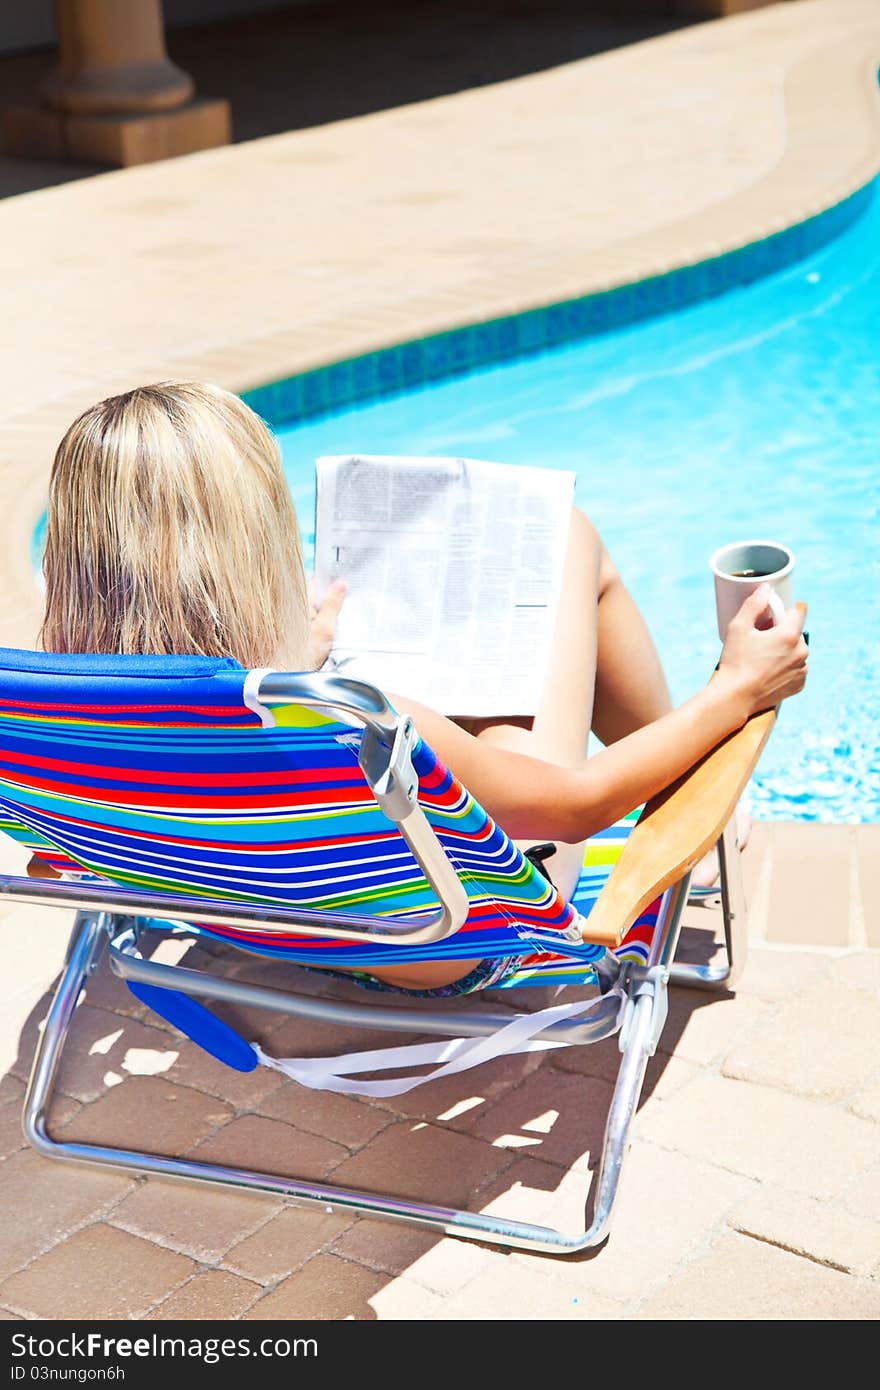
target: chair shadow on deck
521 1134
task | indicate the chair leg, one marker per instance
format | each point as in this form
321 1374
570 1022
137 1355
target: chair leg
89 942
735 915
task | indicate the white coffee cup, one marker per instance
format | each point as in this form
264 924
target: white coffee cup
742 567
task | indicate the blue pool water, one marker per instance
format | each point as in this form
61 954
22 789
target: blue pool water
753 414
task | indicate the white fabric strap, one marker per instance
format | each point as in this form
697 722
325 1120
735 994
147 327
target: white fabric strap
250 695
455 1054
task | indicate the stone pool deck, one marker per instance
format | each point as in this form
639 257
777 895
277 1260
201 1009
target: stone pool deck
752 1191
754 1185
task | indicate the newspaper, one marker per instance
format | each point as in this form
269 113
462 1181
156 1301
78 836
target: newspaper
453 568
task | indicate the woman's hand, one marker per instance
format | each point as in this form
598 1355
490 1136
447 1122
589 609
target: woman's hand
325 616
764 664
537 800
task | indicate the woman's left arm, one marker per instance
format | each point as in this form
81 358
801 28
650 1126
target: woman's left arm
322 625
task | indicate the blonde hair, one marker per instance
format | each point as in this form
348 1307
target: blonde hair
171 531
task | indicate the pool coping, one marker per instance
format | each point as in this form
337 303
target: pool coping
831 104
455 352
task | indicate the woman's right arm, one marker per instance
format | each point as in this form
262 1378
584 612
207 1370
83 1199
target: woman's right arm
533 799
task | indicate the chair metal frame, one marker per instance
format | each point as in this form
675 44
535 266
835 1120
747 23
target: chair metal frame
109 920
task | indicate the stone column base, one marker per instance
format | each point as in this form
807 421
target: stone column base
717 9
35 132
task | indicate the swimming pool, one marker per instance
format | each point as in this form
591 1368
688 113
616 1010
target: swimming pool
755 413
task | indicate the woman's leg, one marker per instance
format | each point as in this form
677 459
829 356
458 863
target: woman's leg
603 673
631 689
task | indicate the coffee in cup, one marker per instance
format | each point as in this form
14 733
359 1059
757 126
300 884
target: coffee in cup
743 566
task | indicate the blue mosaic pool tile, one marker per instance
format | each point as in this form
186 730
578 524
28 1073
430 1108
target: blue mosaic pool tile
260 400
412 363
600 315
290 395
459 349
388 370
643 299
665 295
696 284
316 395
762 260
434 357
513 333
531 331
409 365
486 340
341 384
554 323
365 375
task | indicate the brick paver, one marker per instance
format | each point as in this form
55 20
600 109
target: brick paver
197 1069
286 1242
455 1100
385 1246
48 1202
214 1294
558 1118
668 1201
776 975
767 1134
11 1133
98 1267
867 1103
424 1162
11 1137
176 1118
807 907
340 1118
663 1077
512 1293
822 1232
452 1264
814 1045
861 1195
704 1029
327 1287
403 1301
253 1141
11 1090
857 971
107 1047
741 1278
868 858
191 1219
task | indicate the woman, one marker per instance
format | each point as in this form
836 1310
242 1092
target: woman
171 530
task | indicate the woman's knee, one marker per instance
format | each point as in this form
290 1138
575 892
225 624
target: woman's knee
515 737
587 536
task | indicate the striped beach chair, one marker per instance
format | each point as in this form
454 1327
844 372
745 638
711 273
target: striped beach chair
299 817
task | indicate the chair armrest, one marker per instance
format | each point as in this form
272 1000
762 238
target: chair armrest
676 829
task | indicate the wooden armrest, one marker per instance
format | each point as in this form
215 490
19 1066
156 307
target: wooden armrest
676 829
